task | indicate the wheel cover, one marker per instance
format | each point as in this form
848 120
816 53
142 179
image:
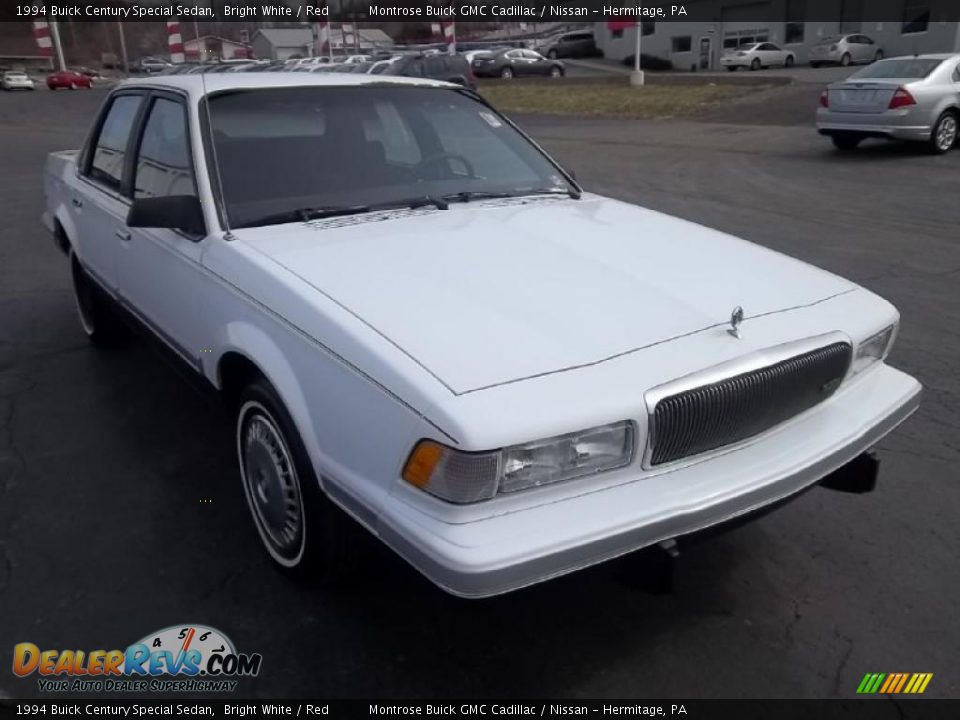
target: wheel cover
271 484
947 132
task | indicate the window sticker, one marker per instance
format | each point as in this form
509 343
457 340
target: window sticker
492 120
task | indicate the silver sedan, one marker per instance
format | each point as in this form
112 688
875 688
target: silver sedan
845 50
906 98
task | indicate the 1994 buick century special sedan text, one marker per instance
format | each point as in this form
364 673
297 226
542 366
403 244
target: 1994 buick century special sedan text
417 317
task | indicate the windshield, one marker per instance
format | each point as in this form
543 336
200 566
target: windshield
899 68
282 151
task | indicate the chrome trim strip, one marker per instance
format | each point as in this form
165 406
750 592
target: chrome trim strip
724 371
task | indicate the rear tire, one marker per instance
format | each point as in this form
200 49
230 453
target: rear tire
944 134
303 532
878 56
789 61
507 73
845 60
98 319
846 141
755 65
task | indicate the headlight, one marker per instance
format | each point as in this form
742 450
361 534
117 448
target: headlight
464 477
876 347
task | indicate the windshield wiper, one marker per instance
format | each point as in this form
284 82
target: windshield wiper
468 195
413 203
570 192
305 215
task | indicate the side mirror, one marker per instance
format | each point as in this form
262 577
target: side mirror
176 212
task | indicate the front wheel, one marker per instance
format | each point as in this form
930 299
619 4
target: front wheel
303 532
556 72
878 56
73 86
944 135
789 61
845 59
755 65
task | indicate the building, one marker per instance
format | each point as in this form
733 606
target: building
284 43
924 26
214 48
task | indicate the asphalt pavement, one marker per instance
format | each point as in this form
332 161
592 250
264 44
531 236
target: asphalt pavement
121 510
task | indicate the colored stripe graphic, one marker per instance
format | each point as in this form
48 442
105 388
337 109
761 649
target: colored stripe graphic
175 42
41 33
894 683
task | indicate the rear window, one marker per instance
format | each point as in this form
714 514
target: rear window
907 68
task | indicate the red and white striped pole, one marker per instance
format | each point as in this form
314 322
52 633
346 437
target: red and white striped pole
175 42
41 33
450 35
321 36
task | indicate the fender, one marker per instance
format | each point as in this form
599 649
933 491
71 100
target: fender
256 346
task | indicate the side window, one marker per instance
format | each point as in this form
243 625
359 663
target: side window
163 161
110 147
435 66
956 74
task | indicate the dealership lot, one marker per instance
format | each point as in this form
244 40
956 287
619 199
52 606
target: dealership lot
121 512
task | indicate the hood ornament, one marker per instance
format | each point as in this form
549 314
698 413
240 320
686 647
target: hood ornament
736 317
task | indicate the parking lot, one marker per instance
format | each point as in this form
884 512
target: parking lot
121 512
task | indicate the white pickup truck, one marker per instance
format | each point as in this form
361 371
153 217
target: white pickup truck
419 318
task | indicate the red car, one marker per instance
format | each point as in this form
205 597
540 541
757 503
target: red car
68 79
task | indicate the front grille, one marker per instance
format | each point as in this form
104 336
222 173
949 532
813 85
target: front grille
739 407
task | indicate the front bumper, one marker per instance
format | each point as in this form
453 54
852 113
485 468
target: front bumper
509 551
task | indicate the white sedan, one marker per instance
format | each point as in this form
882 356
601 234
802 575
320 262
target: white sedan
16 80
421 321
754 56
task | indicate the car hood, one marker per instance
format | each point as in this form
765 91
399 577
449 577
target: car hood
491 292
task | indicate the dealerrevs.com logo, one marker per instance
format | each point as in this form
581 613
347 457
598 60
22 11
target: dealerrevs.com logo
180 658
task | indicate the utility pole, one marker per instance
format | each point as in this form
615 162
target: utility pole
57 47
123 49
636 77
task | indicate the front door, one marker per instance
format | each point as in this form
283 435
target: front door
706 53
158 269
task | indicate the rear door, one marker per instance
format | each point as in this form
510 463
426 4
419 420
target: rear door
99 203
158 269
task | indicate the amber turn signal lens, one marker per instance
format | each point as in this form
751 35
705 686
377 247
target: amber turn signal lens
422 462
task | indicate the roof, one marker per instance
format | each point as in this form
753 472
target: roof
200 84
298 37
287 37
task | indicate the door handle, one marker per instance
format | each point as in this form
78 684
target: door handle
123 235
77 202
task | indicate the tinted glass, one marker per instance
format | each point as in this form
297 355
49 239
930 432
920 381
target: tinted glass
163 163
899 68
280 150
110 149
